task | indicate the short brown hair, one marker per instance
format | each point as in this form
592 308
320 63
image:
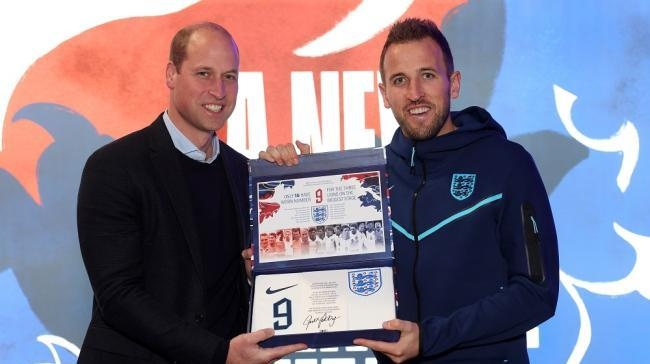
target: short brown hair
411 29
178 48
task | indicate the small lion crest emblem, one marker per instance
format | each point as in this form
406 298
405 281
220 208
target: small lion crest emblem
319 214
462 185
365 282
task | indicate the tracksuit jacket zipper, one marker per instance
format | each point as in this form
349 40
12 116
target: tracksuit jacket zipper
416 240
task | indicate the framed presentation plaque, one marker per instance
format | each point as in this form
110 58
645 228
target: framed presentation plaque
322 247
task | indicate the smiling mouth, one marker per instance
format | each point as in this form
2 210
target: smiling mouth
213 107
419 110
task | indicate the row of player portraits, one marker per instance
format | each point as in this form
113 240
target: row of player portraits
322 241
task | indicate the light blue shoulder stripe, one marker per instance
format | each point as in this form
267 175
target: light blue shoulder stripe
399 228
446 221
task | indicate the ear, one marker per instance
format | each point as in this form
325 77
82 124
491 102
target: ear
382 89
170 75
454 85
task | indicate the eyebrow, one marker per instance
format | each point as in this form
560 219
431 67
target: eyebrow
396 75
208 68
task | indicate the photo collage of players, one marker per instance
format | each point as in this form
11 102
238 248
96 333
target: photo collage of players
322 241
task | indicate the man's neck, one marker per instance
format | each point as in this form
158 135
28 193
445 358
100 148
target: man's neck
207 147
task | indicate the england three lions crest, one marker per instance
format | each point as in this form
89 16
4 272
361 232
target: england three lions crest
462 185
365 282
319 214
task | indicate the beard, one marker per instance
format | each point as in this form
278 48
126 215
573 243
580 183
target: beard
427 130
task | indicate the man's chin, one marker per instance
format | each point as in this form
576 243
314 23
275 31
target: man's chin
216 125
417 135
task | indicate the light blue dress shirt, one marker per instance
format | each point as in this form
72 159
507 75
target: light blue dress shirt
185 146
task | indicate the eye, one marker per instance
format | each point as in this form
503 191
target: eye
203 74
428 75
399 80
230 76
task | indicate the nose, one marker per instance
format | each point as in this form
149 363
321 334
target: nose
218 89
414 91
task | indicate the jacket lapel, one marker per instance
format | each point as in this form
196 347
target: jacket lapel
164 159
234 184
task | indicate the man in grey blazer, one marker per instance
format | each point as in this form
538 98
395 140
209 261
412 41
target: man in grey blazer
163 218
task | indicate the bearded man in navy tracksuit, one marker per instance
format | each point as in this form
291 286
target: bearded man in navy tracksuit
475 244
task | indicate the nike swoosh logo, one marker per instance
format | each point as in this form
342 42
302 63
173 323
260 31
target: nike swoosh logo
272 291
